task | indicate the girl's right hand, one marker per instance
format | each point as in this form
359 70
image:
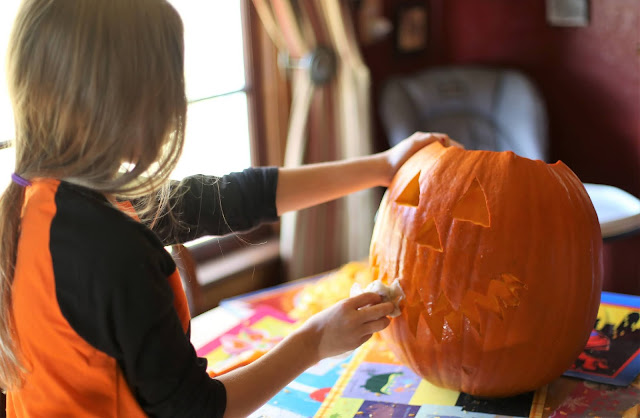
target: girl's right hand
339 328
347 324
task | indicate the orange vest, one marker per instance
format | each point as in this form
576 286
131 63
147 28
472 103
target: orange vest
65 374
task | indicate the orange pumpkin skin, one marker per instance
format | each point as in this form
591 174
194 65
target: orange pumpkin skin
500 258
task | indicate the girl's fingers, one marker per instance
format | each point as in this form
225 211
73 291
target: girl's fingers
456 144
365 339
436 136
371 313
362 300
375 326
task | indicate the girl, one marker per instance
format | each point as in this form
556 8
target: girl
94 320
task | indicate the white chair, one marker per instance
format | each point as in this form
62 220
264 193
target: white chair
486 108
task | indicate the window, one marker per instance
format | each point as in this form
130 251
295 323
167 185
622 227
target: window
228 111
217 137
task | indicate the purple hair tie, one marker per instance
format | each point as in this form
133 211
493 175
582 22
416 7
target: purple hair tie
19 180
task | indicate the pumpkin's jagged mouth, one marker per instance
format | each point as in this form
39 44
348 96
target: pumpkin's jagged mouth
445 321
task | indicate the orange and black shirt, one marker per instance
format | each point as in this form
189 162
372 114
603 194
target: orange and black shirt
101 318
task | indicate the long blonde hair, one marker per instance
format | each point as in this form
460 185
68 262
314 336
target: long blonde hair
93 84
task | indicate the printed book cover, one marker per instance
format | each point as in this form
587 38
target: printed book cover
375 384
246 341
371 382
252 338
612 354
280 297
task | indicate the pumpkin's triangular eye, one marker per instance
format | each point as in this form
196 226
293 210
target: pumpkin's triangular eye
472 206
428 235
410 196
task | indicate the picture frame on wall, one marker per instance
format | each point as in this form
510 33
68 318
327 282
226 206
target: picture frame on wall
571 13
412 27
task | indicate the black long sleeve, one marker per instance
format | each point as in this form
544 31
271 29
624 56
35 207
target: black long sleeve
205 205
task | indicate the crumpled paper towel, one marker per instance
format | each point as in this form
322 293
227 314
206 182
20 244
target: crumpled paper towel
393 293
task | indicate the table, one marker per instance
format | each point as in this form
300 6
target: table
355 383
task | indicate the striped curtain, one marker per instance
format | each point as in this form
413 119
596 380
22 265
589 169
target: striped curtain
327 122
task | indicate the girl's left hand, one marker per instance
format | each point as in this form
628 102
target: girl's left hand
400 153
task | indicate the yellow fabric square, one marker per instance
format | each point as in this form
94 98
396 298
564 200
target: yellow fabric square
216 356
344 408
274 326
428 394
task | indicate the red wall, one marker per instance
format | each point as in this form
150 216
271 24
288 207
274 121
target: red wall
589 78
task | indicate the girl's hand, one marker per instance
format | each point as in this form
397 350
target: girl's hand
400 153
347 324
342 327
312 184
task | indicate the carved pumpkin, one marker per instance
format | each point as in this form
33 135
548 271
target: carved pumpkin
500 261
